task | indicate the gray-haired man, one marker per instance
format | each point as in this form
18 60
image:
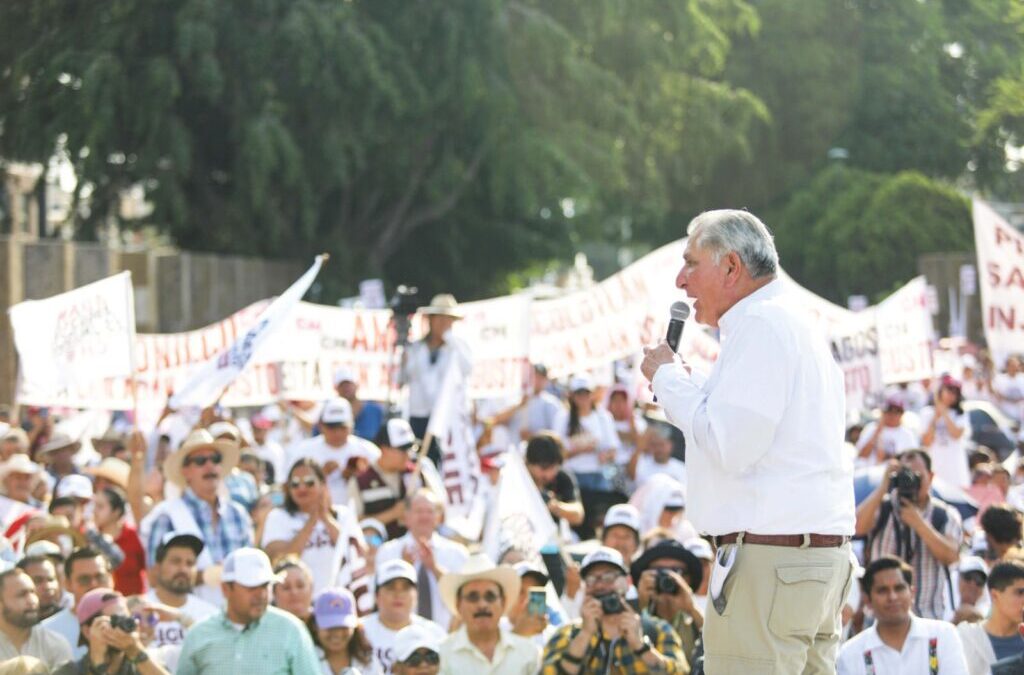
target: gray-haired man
767 474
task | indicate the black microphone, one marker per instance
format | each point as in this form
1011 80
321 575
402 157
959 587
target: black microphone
680 311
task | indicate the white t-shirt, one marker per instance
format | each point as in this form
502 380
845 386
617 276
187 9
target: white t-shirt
601 426
382 638
949 455
892 441
647 467
317 448
913 659
1012 388
319 551
168 636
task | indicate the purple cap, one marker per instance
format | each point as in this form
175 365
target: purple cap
94 602
335 608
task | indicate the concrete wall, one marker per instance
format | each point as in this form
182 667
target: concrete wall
174 291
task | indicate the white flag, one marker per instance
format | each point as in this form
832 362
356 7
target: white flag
1001 277
451 426
210 379
518 518
76 338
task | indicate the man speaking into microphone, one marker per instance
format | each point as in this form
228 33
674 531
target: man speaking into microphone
766 469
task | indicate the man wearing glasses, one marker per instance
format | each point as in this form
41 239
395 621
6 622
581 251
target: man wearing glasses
198 468
480 595
611 637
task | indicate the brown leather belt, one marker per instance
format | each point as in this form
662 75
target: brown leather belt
792 540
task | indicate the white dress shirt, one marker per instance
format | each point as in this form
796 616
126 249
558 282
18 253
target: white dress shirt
913 659
450 556
764 432
425 378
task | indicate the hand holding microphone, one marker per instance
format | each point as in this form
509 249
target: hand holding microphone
666 351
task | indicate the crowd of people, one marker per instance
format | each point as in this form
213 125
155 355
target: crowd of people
311 537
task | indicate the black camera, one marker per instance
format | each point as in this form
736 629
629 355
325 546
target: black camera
403 305
124 623
612 604
663 583
906 482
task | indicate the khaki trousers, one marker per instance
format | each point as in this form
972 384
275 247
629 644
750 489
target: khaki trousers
782 613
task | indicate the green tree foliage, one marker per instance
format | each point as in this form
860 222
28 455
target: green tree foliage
429 141
855 232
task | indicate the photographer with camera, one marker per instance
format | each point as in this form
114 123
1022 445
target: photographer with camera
611 637
665 576
901 518
111 635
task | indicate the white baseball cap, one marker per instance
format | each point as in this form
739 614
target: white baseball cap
581 382
412 638
395 569
74 485
344 374
249 567
623 514
972 563
399 434
337 411
676 499
603 554
700 548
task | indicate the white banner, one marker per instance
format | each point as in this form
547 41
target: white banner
905 334
205 386
1001 277
76 338
518 517
451 426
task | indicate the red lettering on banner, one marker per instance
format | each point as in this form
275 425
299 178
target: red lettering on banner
997 276
1002 318
1015 240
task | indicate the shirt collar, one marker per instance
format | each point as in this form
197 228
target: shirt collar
462 642
735 314
191 497
918 629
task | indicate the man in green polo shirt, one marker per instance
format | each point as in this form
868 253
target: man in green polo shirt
248 635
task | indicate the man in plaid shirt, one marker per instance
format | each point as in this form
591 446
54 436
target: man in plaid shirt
611 637
925 532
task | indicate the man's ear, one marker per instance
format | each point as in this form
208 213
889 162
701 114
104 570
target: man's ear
733 267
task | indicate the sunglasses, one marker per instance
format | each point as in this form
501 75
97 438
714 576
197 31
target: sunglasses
423 657
602 578
215 458
333 425
308 481
475 596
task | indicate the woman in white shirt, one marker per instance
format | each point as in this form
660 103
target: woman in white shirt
307 525
591 440
945 435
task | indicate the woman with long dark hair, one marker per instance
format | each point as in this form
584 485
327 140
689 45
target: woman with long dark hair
944 428
308 525
337 631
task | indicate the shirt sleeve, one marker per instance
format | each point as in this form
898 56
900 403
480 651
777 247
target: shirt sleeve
846 665
555 649
275 528
951 652
733 419
186 660
303 656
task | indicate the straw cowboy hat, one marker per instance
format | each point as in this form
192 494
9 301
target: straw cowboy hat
59 441
197 440
480 567
56 526
443 305
19 463
112 469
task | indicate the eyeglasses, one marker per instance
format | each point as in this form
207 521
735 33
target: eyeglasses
475 596
602 578
308 481
423 657
215 458
333 425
